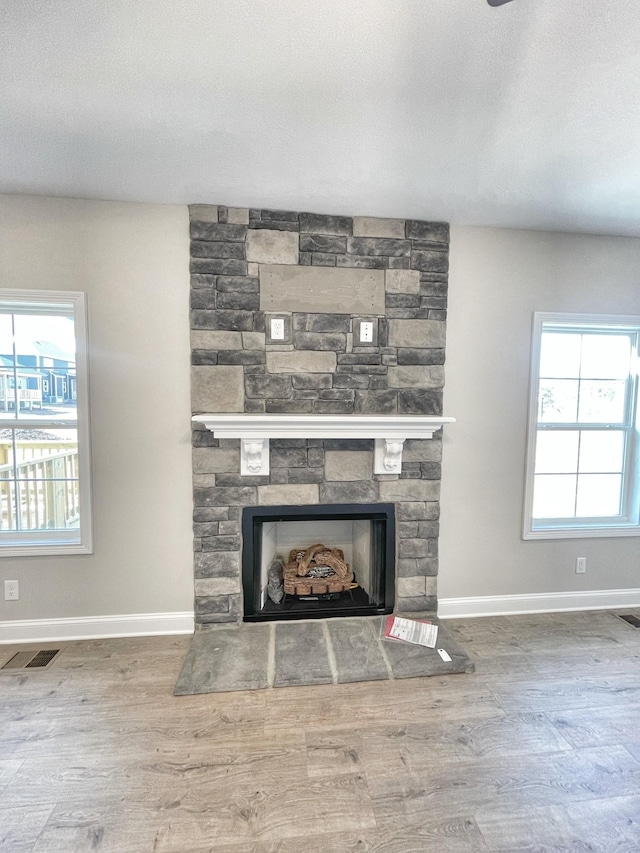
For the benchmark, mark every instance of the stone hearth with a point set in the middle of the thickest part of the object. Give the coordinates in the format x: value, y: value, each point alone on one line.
x: 322, y: 276
x: 293, y: 654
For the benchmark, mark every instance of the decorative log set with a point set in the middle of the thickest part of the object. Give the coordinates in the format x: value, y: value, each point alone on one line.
x: 320, y: 555
x: 317, y: 570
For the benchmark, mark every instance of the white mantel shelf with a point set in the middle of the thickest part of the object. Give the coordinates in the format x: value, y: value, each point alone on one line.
x: 389, y: 432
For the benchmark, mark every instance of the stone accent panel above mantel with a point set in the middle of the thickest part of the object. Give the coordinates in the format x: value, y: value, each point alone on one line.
x: 322, y: 290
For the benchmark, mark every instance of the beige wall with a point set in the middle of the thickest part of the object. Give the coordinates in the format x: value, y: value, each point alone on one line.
x: 133, y: 263
x: 498, y: 279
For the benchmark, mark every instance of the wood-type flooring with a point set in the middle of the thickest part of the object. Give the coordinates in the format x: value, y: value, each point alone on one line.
x: 538, y: 750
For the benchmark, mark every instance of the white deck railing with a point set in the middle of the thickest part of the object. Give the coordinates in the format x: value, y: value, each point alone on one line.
x: 47, y: 492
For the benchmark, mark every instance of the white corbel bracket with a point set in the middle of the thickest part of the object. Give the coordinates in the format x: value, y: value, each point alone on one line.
x: 387, y: 457
x: 254, y: 457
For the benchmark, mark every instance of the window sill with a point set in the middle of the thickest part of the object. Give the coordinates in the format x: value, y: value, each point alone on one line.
x: 49, y: 549
x: 582, y: 533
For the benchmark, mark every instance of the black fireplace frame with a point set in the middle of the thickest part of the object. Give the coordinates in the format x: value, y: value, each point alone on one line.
x: 384, y: 530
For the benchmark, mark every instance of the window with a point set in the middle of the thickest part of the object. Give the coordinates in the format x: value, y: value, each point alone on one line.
x: 582, y: 463
x: 45, y: 490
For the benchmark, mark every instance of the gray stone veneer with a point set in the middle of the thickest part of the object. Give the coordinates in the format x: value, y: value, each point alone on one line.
x: 318, y: 368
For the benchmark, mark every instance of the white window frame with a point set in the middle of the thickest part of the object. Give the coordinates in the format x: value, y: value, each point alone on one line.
x: 628, y: 524
x: 32, y: 543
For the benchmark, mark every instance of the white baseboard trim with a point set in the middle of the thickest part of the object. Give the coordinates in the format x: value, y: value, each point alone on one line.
x: 543, y: 602
x: 95, y: 627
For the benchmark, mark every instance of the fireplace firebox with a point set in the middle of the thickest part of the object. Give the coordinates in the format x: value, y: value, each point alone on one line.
x: 333, y: 560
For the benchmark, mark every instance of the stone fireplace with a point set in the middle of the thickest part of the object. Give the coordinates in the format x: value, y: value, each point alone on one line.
x: 360, y: 311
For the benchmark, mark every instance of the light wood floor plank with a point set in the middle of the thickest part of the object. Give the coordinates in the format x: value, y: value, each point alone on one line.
x: 21, y: 826
x: 460, y: 835
x: 509, y: 782
x: 263, y: 812
x: 611, y: 826
x: 112, y: 825
x: 554, y: 694
x: 599, y: 726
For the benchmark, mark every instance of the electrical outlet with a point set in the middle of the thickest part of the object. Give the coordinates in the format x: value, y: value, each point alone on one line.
x: 277, y: 329
x: 366, y: 332
x: 581, y: 565
x: 11, y: 590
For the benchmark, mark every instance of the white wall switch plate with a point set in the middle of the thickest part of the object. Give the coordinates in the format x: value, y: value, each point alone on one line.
x: 366, y: 332
x: 11, y: 590
x: 277, y: 329
x: 581, y: 565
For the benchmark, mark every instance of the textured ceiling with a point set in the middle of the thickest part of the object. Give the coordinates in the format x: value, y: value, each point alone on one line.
x: 526, y: 115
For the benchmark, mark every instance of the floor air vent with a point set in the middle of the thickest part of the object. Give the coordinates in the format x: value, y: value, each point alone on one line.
x: 632, y: 620
x: 28, y: 660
